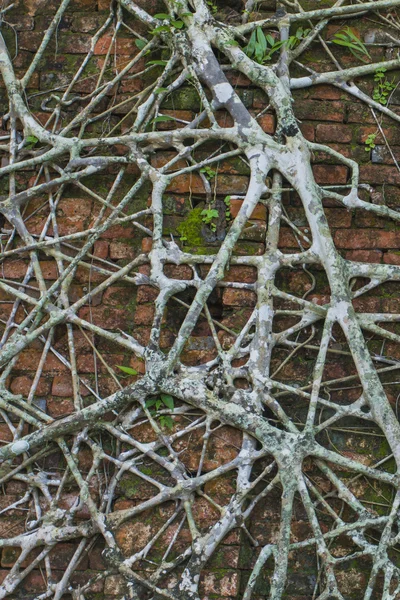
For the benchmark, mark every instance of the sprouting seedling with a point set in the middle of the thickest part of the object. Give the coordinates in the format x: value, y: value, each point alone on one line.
x: 156, y: 404
x: 227, y: 202
x: 209, y: 214
x: 383, y: 86
x: 31, y: 141
x: 169, y: 24
x: 208, y: 172
x: 370, y: 142
x: 347, y: 38
x: 212, y: 6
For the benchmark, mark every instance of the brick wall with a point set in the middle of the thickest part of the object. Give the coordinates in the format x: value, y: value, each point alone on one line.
x: 327, y: 116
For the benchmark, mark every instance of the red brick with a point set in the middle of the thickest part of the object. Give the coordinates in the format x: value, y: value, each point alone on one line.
x: 14, y: 269
x: 28, y: 361
x: 391, y: 258
x: 49, y: 269
x: 22, y: 385
x: 307, y: 129
x: 333, y: 133
x: 366, y: 238
x: 58, y: 407
x: 287, y: 239
x: 146, y: 293
x: 224, y: 584
x: 371, y: 256
x: 379, y: 174
x: 122, y: 46
x: 241, y: 274
x: 330, y: 174
x: 61, y: 555
x: 109, y: 318
x: 119, y: 250
x: 391, y: 134
x: 144, y: 315
x: 325, y: 92
x: 338, y: 217
x: 118, y: 295
x: 147, y: 244
x: 312, y: 110
x: 260, y: 212
x: 178, y: 271
x: 267, y: 123
x: 100, y: 249
x: 237, y: 297
x: 62, y: 387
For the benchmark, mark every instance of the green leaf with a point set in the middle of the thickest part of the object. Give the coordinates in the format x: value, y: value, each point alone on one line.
x: 128, y: 370
x: 161, y: 63
x: 231, y: 43
x: 160, y: 90
x: 178, y: 24
x: 250, y: 48
x: 161, y: 29
x: 140, y: 44
x: 150, y: 403
x: 31, y: 139
x: 161, y: 16
x: 270, y: 40
x: 187, y: 15
x: 163, y: 118
x: 168, y: 401
x: 166, y: 421
x: 262, y: 42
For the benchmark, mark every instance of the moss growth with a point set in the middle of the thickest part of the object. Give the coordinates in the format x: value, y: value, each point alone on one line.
x: 185, y: 98
x: 191, y: 230
x: 129, y: 487
x: 191, y: 227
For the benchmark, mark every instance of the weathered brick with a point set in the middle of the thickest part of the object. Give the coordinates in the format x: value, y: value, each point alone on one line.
x: 333, y: 133
x: 62, y: 387
x: 372, y: 256
x: 22, y: 385
x: 312, y: 110
x: 366, y: 238
x: 330, y: 174
x: 225, y: 583
x: 379, y: 174
x: 238, y: 297
x: 391, y: 258
x: 260, y: 212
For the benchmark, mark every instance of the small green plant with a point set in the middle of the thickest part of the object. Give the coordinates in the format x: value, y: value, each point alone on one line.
x: 209, y: 214
x: 212, y: 6
x: 261, y: 47
x: 169, y: 25
x: 383, y: 86
x: 370, y: 142
x: 294, y: 40
x: 227, y: 202
x: 347, y: 38
x: 156, y: 404
x: 208, y: 172
x: 31, y: 141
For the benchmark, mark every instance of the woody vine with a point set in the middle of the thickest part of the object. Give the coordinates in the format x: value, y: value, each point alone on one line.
x: 286, y: 453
